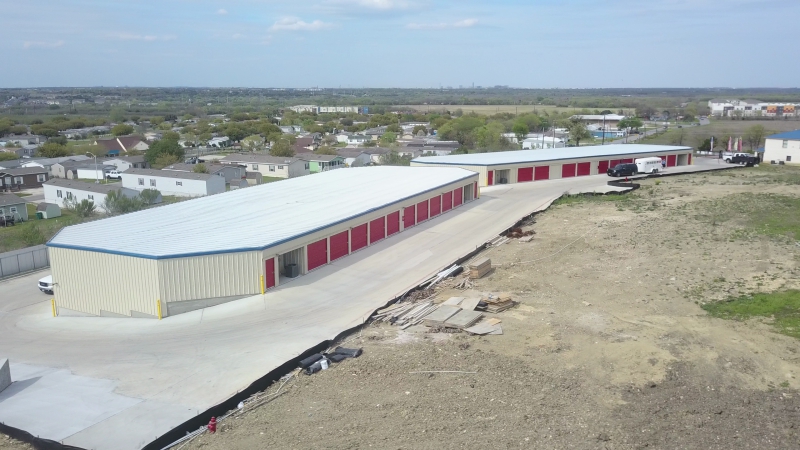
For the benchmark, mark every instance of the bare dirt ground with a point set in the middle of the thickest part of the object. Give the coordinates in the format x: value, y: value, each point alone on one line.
x: 607, y: 349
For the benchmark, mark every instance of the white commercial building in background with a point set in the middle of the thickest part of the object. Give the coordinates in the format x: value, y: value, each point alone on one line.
x: 783, y: 147
x: 180, y: 184
x: 751, y: 108
x: 185, y: 256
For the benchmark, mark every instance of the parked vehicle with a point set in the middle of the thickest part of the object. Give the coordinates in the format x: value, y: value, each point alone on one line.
x: 648, y: 165
x: 115, y: 174
x: 46, y: 284
x: 622, y: 170
x: 740, y: 158
x: 7, y: 221
x: 728, y: 156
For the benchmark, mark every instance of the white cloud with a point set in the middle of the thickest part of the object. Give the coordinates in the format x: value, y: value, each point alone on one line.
x: 295, y: 24
x: 141, y: 37
x: 378, y: 5
x: 42, y: 44
x: 222, y: 11
x: 466, y: 23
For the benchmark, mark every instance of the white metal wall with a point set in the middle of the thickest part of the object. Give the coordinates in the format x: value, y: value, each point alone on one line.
x: 93, y: 281
x: 209, y: 276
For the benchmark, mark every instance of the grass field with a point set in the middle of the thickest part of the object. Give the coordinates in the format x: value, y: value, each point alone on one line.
x: 34, y: 232
x: 782, y: 307
x: 720, y: 129
x: 488, y: 110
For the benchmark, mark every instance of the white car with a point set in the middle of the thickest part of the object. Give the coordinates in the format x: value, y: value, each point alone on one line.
x: 115, y: 174
x: 46, y: 284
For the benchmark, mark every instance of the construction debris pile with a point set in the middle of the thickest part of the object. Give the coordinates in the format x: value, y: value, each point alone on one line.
x: 321, y: 361
x: 497, y: 303
x: 517, y: 233
x: 479, y: 268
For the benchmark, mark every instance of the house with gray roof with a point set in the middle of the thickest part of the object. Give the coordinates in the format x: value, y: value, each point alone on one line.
x: 269, y: 166
x: 14, y: 206
x: 173, y: 182
x: 62, y: 192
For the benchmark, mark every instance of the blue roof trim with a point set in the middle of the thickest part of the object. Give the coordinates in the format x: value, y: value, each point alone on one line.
x: 787, y: 135
x: 682, y: 150
x: 249, y: 249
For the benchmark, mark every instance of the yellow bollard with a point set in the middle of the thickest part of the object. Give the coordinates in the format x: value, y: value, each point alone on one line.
x: 262, y: 284
x: 158, y: 303
x: 53, y: 305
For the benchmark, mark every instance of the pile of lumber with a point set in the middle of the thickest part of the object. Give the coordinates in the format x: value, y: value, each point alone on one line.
x: 489, y: 326
x: 405, y: 314
x: 479, y: 268
x: 498, y: 303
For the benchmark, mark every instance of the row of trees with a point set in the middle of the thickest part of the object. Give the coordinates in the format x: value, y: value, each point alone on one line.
x: 115, y: 203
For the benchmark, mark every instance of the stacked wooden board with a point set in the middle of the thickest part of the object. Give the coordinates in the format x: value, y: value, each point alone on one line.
x: 479, y: 268
x: 498, y: 303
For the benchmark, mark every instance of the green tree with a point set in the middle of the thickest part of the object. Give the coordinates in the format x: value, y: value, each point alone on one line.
x: 44, y: 130
x: 52, y: 150
x: 149, y: 196
x: 388, y: 138
x: 325, y: 150
x: 83, y: 208
x: 164, y: 160
x: 633, y: 123
x: 394, y: 159
x: 420, y: 129
x: 167, y: 145
x: 122, y: 130
x: 754, y: 136
x: 117, y: 114
x: 520, y: 130
x: 116, y: 203
x: 578, y: 132
x: 282, y: 148
x: 18, y: 129
x: 253, y: 143
x: 8, y: 156
x: 200, y: 168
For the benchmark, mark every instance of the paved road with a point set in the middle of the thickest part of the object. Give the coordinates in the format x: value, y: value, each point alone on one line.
x: 120, y: 383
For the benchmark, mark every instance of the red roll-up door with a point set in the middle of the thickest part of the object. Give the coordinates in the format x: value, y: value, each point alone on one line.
x: 490, y: 177
x: 626, y: 161
x: 409, y: 217
x: 317, y: 254
x: 422, y: 211
x: 690, y: 159
x: 377, y: 230
x: 663, y: 158
x: 602, y: 166
x: 584, y: 168
x: 436, y: 205
x: 340, y: 245
x: 568, y: 170
x: 269, y: 267
x: 458, y: 197
x: 524, y: 174
x: 392, y: 223
x: 358, y: 235
x: 613, y: 163
x: 541, y: 173
x: 447, y: 201
x: 671, y: 160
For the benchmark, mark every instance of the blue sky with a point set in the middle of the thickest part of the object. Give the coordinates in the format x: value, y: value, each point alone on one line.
x: 400, y: 43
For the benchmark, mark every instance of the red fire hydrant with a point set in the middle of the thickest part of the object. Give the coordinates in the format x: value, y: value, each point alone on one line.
x: 212, y: 425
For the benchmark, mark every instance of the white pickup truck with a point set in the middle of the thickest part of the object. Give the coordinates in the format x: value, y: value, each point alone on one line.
x: 728, y: 156
x: 46, y: 284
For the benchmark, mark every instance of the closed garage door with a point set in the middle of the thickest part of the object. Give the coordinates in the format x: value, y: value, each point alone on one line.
x: 317, y: 254
x: 584, y: 168
x: 690, y: 160
x: 422, y: 211
x: 359, y: 236
x: 490, y: 178
x: 458, y: 197
x: 626, y: 161
x: 602, y: 166
x: 671, y: 160
x: 269, y: 268
x: 340, y: 245
x: 409, y: 217
x: 613, y: 162
x: 524, y: 174
x: 377, y: 229
x: 567, y: 170
x: 392, y: 223
x: 447, y: 201
x: 541, y: 173
x: 436, y: 205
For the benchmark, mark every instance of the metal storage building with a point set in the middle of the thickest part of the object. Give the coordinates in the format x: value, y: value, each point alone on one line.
x: 549, y: 164
x: 206, y: 251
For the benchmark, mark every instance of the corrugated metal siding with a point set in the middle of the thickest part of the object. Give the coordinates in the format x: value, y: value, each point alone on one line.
x: 91, y: 281
x: 209, y: 276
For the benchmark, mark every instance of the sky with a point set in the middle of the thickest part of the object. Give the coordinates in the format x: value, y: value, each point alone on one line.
x: 400, y: 43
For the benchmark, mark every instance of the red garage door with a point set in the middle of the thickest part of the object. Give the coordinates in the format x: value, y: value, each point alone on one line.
x: 436, y: 205
x: 447, y: 201
x: 317, y: 254
x: 567, y: 170
x: 409, y: 217
x: 392, y: 223
x: 358, y: 235
x: 626, y: 161
x: 340, y: 245
x: 613, y: 163
x: 422, y: 211
x: 671, y: 160
x: 490, y: 177
x: 269, y: 267
x: 458, y: 197
x: 690, y: 159
x: 377, y: 230
x: 524, y: 174
x: 602, y: 166
x: 584, y: 168
x: 541, y: 173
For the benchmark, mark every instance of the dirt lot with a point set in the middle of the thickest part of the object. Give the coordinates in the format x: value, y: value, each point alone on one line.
x: 609, y: 347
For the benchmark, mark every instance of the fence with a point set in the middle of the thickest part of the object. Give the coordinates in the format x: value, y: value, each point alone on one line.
x: 23, y: 260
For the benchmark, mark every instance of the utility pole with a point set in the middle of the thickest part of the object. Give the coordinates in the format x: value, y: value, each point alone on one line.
x: 604, y: 130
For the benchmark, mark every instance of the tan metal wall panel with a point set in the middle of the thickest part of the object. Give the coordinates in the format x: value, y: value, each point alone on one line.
x: 209, y: 276
x: 93, y: 281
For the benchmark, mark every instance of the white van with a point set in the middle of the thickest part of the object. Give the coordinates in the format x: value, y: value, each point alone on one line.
x: 648, y: 165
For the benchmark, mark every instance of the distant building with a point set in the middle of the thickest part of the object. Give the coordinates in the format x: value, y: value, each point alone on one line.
x: 180, y: 184
x: 122, y: 144
x: 322, y: 163
x: 13, y: 206
x: 607, y: 121
x: 61, y: 192
x: 269, y: 166
x: 751, y: 108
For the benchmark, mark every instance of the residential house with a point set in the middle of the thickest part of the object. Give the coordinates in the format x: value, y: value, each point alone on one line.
x: 23, y: 177
x: 358, y: 139
x: 231, y: 173
x: 92, y: 171
x: 269, y: 166
x: 322, y: 163
x: 124, y: 163
x: 354, y: 157
x: 61, y: 192
x: 375, y: 153
x: 291, y: 129
x: 10, y: 164
x: 69, y: 169
x: 220, y: 142
x: 49, y: 163
x: 26, y: 151
x: 22, y: 139
x: 375, y: 133
x: 122, y: 144
x: 305, y: 145
x: 784, y: 147
x: 432, y: 146
x: 342, y: 137
x: 14, y: 206
x: 172, y: 182
x: 48, y: 210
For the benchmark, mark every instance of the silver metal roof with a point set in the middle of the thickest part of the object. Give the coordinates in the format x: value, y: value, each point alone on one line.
x: 257, y: 217
x: 551, y: 154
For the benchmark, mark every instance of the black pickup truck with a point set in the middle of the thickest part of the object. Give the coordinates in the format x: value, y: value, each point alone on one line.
x: 746, y: 160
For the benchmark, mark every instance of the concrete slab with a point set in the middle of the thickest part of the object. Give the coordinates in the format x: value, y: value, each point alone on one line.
x: 134, y: 380
x: 5, y: 375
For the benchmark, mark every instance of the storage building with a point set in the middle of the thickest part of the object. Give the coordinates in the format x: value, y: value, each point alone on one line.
x: 549, y: 164
x: 206, y: 251
x: 783, y: 147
